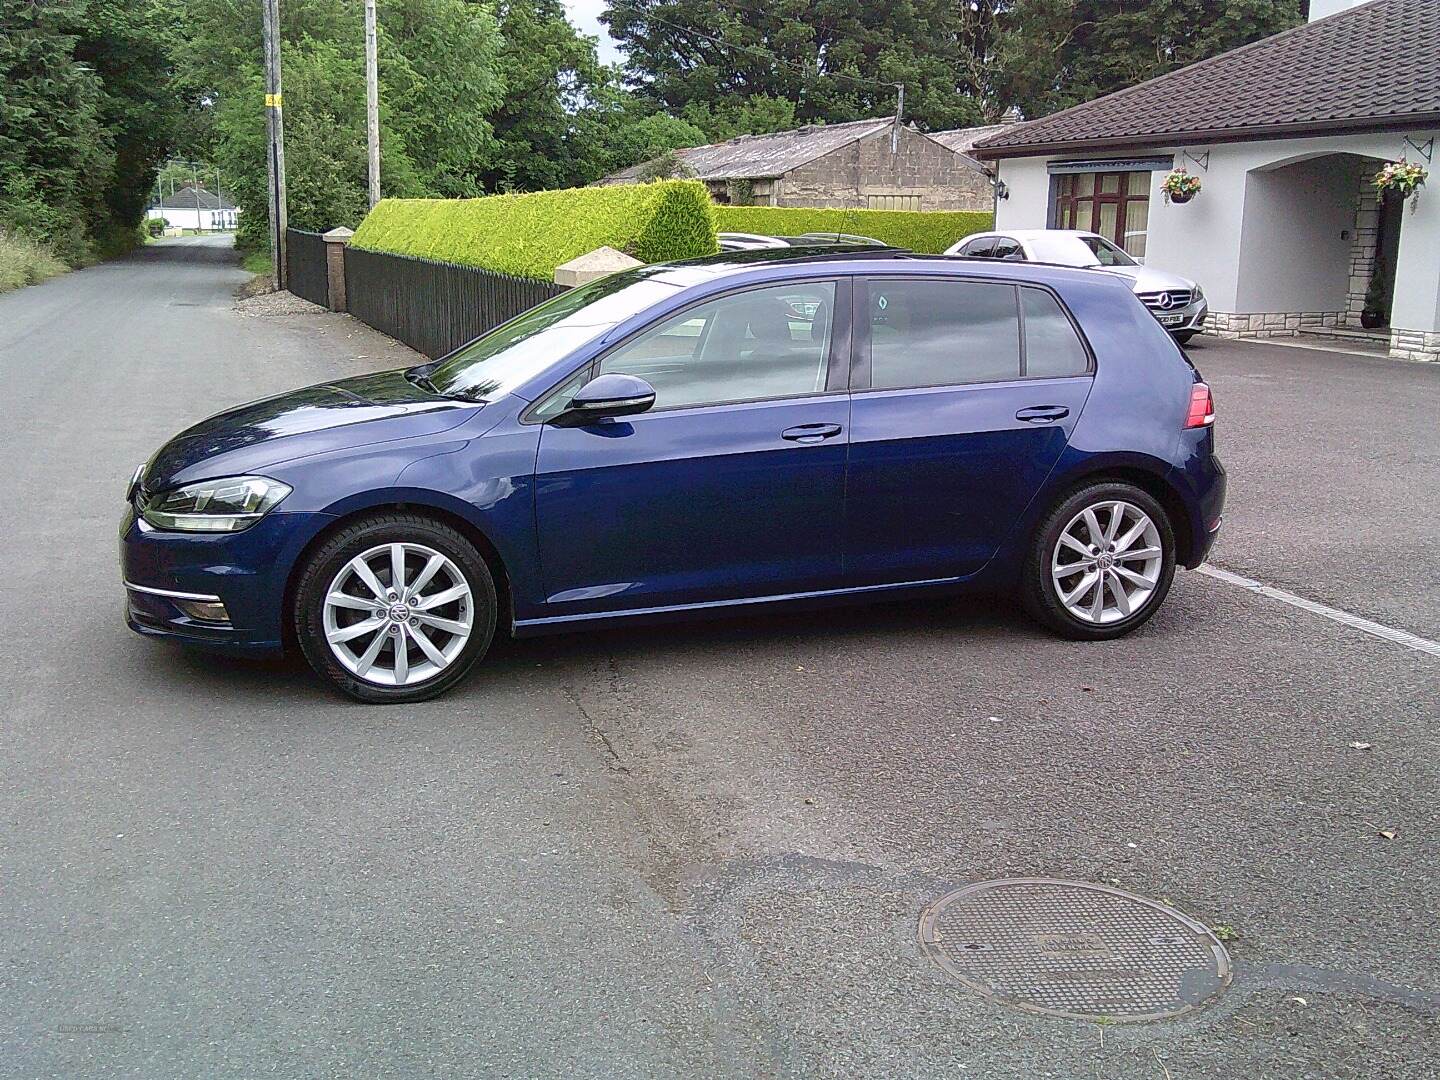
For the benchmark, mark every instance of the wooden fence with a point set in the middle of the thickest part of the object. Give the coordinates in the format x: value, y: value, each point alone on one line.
x: 434, y: 307
x: 305, y: 266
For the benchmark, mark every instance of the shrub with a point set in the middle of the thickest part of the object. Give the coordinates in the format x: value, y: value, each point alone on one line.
x: 154, y: 226
x: 930, y: 231
x: 25, y: 262
x: 530, y: 235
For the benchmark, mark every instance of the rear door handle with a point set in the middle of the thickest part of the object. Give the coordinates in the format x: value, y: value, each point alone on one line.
x: 1042, y: 414
x: 811, y: 433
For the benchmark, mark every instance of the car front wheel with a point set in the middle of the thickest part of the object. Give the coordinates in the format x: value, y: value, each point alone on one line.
x: 1101, y: 563
x: 395, y: 608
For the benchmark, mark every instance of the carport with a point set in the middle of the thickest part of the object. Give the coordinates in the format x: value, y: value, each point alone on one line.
x: 1286, y: 136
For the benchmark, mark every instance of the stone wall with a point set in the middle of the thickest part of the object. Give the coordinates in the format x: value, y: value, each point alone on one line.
x: 1362, y: 250
x: 921, y: 167
x: 1261, y: 324
x: 1415, y: 345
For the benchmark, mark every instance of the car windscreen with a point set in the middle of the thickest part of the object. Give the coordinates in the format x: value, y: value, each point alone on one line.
x: 1067, y: 249
x: 517, y: 351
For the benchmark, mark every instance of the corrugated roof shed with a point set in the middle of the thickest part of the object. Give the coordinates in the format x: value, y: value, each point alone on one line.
x: 1373, y: 66
x: 764, y: 156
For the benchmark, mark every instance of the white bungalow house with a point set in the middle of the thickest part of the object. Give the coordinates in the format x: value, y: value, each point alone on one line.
x: 189, y: 207
x: 1285, y: 135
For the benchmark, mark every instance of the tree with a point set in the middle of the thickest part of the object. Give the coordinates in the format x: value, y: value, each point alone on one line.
x: 55, y: 155
x: 831, y: 60
x: 1059, y: 53
x: 126, y: 44
x: 438, y: 85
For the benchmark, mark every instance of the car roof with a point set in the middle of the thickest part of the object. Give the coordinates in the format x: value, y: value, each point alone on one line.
x: 778, y: 264
x: 1031, y: 234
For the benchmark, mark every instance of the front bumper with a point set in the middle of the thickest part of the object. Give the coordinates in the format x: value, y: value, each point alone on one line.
x: 1188, y: 319
x: 167, y: 574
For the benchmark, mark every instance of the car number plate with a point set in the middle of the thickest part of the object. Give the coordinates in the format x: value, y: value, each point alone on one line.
x: 1171, y: 320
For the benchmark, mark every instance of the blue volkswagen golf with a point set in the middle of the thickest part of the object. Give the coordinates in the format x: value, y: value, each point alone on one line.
x: 707, y: 436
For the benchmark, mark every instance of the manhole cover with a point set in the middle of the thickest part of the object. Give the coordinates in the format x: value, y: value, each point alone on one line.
x: 1067, y: 948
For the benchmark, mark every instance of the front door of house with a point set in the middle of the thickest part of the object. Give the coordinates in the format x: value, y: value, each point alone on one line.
x: 1387, y: 251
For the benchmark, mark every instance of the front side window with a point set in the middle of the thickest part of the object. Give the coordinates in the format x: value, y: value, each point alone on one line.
x: 938, y: 332
x: 1006, y: 248
x: 979, y: 249
x: 516, y: 351
x: 771, y: 342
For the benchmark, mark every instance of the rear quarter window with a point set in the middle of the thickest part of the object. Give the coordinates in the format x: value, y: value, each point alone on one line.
x: 1052, y: 346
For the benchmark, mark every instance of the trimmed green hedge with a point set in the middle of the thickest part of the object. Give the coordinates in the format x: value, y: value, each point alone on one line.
x: 530, y: 235
x: 930, y: 231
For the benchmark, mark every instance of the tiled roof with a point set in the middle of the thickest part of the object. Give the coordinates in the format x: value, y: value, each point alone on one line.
x: 1372, y: 66
x: 764, y: 156
x: 185, y: 198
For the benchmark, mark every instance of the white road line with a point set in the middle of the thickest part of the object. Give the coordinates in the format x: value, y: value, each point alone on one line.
x: 1389, y: 633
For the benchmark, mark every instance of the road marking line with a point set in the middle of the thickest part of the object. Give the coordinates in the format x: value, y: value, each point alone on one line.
x: 1389, y: 633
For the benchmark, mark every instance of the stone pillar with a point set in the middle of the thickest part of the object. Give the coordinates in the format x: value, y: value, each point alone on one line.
x: 336, y: 240
x: 599, y: 263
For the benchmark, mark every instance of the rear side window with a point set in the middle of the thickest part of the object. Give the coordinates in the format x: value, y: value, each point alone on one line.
x: 946, y: 332
x: 938, y: 331
x: 979, y: 249
x: 1052, y: 347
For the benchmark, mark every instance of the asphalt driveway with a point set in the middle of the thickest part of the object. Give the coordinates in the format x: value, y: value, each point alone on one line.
x: 701, y: 851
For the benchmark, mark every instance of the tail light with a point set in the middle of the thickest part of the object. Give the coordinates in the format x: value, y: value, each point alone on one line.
x: 1202, y: 407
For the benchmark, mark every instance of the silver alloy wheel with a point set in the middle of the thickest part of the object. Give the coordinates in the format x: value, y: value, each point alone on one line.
x: 398, y: 614
x: 1107, y: 562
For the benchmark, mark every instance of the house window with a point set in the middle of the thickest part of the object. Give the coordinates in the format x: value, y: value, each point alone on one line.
x: 892, y: 202
x: 1114, y: 204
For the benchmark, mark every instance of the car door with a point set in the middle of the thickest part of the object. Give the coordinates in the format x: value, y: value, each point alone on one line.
x: 732, y: 486
x: 964, y: 394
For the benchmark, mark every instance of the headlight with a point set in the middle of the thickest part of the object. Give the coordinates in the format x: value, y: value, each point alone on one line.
x: 1199, y: 294
x: 227, y: 505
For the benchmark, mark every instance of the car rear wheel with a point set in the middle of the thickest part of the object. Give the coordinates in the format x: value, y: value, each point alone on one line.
x: 1101, y: 563
x: 395, y: 608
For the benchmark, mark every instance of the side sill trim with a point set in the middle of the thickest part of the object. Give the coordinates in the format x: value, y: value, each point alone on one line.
x: 171, y: 593
x: 709, y: 605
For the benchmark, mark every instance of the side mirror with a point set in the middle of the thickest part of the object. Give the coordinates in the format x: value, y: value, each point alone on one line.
x: 606, y: 396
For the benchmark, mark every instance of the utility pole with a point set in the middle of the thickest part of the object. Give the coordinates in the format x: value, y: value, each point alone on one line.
x: 899, y: 111
x: 195, y: 179
x: 275, y: 129
x: 372, y: 103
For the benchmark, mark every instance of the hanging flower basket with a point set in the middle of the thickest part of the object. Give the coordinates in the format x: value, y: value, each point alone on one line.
x: 1180, y: 186
x: 1404, y: 178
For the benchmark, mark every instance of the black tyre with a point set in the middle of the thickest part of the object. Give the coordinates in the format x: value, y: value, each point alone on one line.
x: 395, y: 608
x: 1100, y: 563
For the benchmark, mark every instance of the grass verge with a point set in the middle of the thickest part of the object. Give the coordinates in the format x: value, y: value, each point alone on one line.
x: 25, y: 262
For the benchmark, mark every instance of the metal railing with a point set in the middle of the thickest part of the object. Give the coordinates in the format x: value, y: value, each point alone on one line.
x: 305, y: 266
x: 435, y: 307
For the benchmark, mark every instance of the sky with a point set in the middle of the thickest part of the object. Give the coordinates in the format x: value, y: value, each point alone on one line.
x: 585, y: 14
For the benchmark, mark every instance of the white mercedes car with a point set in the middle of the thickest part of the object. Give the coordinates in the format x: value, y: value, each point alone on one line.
x: 1177, y: 302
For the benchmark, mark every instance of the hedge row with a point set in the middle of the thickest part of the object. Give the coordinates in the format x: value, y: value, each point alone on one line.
x: 930, y: 231
x: 530, y: 235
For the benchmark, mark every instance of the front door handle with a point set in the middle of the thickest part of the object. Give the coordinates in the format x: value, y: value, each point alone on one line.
x: 811, y: 433
x: 1042, y: 414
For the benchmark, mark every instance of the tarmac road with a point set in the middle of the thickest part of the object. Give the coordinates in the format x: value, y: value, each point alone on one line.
x: 703, y: 850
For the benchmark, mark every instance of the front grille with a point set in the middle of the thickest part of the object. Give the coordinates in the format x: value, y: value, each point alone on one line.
x: 1166, y: 299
